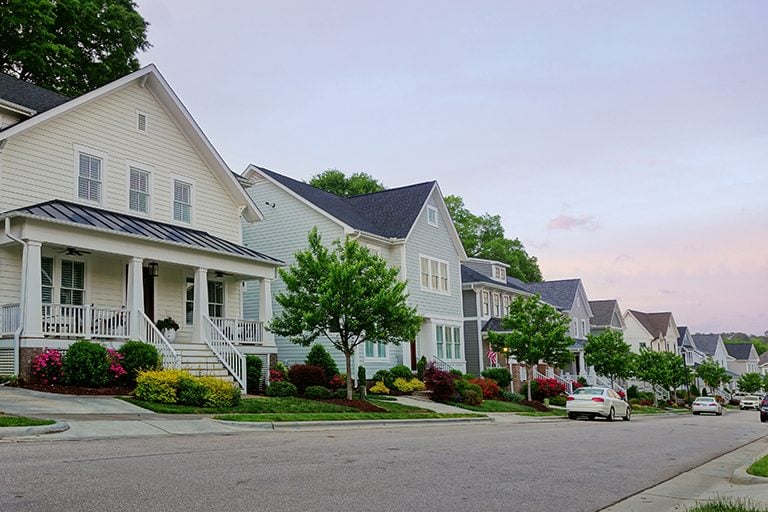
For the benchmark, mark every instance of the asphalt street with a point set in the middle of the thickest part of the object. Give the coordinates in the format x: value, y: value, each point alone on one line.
x: 567, y: 465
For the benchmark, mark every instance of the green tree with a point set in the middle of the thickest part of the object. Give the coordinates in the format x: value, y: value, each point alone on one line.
x: 712, y: 374
x: 655, y: 369
x: 609, y: 354
x: 765, y: 382
x: 346, y: 294
x: 750, y: 382
x: 336, y: 182
x: 533, y: 331
x: 318, y: 356
x: 679, y: 373
x: 483, y: 237
x: 70, y: 46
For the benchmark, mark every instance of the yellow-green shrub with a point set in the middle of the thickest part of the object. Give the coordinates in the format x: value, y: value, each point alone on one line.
x: 160, y: 386
x: 178, y: 386
x: 409, y: 386
x: 379, y: 388
x: 220, y: 393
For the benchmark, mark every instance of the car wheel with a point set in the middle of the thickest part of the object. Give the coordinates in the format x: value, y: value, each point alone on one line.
x: 696, y: 413
x: 763, y: 419
x: 719, y: 413
x: 571, y: 415
x: 628, y: 414
x: 611, y: 415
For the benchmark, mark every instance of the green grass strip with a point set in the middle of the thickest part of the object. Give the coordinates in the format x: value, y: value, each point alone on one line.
x: 495, y: 406
x: 728, y: 505
x: 339, y: 416
x: 20, y: 421
x: 759, y: 467
x: 256, y: 405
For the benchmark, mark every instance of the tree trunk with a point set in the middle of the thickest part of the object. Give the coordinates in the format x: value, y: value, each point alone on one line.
x: 529, y: 371
x: 348, y: 362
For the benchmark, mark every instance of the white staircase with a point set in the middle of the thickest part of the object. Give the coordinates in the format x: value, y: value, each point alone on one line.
x: 200, y: 361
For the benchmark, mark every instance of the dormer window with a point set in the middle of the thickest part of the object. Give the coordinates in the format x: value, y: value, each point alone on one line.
x: 500, y: 273
x: 432, y: 216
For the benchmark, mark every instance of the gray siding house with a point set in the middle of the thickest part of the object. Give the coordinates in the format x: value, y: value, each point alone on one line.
x: 606, y: 315
x: 409, y: 227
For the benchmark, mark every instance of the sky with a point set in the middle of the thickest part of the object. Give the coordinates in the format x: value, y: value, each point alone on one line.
x: 624, y: 143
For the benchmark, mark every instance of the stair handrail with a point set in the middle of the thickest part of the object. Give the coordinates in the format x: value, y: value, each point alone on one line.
x: 150, y: 334
x: 225, y: 351
x: 441, y: 365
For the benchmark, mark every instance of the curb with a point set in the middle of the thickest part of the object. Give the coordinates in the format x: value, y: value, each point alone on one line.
x: 321, y: 425
x: 741, y: 477
x: 57, y: 427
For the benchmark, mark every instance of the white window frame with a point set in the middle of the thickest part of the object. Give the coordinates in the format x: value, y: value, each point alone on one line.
x: 500, y: 273
x: 432, y: 216
x: 378, y: 351
x: 497, y: 305
x: 138, y: 166
x: 189, y: 284
x: 583, y: 328
x: 486, y: 302
x: 94, y: 153
x: 56, y: 285
x: 436, y: 283
x: 139, y: 113
x: 187, y: 181
x: 448, y: 339
x: 505, y: 304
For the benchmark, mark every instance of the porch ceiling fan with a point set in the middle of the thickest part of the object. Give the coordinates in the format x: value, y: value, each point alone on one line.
x: 73, y: 251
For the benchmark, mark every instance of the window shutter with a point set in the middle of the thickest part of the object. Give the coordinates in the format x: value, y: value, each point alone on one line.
x: 141, y: 122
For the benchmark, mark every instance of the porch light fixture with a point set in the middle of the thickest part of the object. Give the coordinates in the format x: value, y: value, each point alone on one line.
x: 153, y: 269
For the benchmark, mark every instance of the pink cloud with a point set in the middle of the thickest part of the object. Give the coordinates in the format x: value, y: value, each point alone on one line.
x: 569, y: 222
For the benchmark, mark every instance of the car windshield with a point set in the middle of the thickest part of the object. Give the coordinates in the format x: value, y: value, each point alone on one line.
x: 588, y: 391
x: 751, y: 398
x: 705, y: 399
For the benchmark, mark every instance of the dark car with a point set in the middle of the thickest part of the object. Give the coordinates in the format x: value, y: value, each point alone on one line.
x: 764, y: 409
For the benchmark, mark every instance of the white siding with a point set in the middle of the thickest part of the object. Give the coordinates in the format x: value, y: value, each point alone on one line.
x: 10, y: 273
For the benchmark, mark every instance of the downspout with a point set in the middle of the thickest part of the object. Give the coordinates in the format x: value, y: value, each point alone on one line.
x: 20, y: 328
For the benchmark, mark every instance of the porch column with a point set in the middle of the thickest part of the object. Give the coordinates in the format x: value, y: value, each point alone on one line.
x: 201, y: 304
x: 581, y: 362
x: 265, y: 310
x: 33, y: 288
x: 135, y: 296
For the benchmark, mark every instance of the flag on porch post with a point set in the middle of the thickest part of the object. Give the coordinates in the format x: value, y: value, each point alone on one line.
x: 493, y: 358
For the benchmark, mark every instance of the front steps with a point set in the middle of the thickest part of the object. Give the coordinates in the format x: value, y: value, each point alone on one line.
x: 197, y: 359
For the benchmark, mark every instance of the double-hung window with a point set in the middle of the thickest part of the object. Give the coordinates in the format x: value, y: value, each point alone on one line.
x: 89, y: 177
x: 448, y: 341
x: 182, y: 201
x: 46, y: 276
x: 215, y: 300
x: 505, y: 302
x: 375, y: 350
x: 432, y: 216
x: 138, y: 190
x: 486, y: 303
x: 72, y: 282
x: 496, y: 305
x: 434, y: 275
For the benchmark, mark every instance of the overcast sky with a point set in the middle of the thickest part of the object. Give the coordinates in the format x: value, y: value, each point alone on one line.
x: 625, y: 143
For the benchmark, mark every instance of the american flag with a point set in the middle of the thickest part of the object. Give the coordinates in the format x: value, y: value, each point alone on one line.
x: 492, y: 357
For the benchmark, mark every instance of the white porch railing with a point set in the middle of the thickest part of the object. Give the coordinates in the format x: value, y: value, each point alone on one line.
x: 227, y: 353
x: 85, y: 321
x: 150, y: 334
x: 9, y: 319
x: 238, y: 330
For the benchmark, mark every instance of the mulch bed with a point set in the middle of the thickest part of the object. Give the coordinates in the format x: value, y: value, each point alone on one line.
x: 77, y: 390
x: 536, y: 405
x: 360, y: 405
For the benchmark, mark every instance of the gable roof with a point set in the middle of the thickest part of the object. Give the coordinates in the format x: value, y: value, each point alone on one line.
x: 151, y: 78
x: 602, y: 312
x: 740, y: 351
x: 24, y: 94
x: 707, y: 343
x: 469, y: 275
x: 656, y: 324
x: 561, y: 294
x: 104, y: 220
x: 682, y: 339
x: 763, y: 358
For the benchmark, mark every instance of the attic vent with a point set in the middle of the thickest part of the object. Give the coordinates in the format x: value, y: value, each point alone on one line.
x: 141, y: 122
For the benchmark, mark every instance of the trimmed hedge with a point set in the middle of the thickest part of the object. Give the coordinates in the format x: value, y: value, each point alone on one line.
x: 179, y: 387
x: 86, y: 364
x: 502, y: 376
x: 318, y: 393
x: 282, y: 388
x: 138, y: 356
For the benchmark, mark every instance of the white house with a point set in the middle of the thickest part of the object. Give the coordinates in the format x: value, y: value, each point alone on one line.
x: 652, y: 331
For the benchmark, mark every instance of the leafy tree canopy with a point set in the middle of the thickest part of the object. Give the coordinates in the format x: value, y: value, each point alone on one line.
x: 336, y: 182
x: 346, y: 294
x: 483, y: 237
x: 750, y: 382
x: 533, y: 332
x: 712, y: 374
x: 70, y: 46
x: 609, y: 354
x: 654, y: 368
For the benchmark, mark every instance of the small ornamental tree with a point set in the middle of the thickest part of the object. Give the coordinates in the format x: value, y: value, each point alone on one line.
x: 750, y: 382
x: 609, y: 354
x: 533, y: 331
x: 712, y: 374
x: 346, y: 294
x: 679, y: 373
x: 318, y: 356
x: 654, y: 368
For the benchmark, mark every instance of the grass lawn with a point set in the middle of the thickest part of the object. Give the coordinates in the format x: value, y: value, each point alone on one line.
x: 759, y: 467
x: 501, y: 406
x: 340, y: 416
x: 726, y: 505
x: 20, y: 421
x: 259, y: 405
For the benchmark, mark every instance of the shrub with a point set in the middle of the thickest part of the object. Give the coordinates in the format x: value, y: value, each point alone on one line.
x: 558, y: 400
x: 86, y: 364
x: 386, y: 377
x: 159, y: 386
x: 546, y: 388
x: 278, y: 373
x: 116, y: 371
x: 421, y: 367
x: 488, y: 387
x: 442, y: 384
x: 318, y: 393
x: 469, y: 376
x: 379, y: 388
x: 401, y: 372
x: 191, y: 391
x: 282, y: 388
x: 457, y: 373
x: 472, y: 396
x: 694, y: 390
x: 511, y: 397
x: 575, y: 384
x: 409, y: 385
x: 583, y: 382
x: 304, y: 375
x: 47, y: 367
x: 138, y: 356
x: 253, y: 366
x: 338, y: 381
x: 219, y: 392
x: 361, y: 377
x: 502, y: 376
x: 632, y: 392
x: 318, y: 356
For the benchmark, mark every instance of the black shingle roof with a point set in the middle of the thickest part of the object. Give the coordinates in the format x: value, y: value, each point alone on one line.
x: 560, y: 294
x: 602, y: 312
x: 136, y: 226
x: 390, y: 213
x: 493, y: 324
x: 740, y: 351
x: 469, y: 275
x: 681, y: 339
x: 707, y: 343
x: 28, y: 95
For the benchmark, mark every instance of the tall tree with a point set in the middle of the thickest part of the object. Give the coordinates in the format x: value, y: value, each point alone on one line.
x: 533, y: 331
x: 346, y: 294
x: 712, y: 374
x: 679, y: 373
x: 609, y: 354
x: 750, y: 382
x: 654, y: 368
x: 483, y: 237
x: 336, y: 182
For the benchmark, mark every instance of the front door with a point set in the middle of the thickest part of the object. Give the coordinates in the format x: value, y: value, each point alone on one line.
x: 413, y: 355
x: 149, y: 293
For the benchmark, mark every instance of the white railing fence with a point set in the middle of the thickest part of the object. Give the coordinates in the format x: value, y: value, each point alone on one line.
x: 85, y: 321
x: 150, y: 334
x: 9, y: 319
x: 225, y: 351
x: 238, y: 330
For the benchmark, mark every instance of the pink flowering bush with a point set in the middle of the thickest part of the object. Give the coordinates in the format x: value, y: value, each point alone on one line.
x: 116, y: 370
x: 47, y: 367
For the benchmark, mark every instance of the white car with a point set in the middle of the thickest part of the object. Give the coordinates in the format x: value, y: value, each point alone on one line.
x: 750, y: 402
x: 592, y: 402
x: 706, y: 404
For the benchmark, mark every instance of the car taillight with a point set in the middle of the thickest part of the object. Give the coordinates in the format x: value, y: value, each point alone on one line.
x: 570, y: 398
x: 713, y: 405
x: 598, y: 399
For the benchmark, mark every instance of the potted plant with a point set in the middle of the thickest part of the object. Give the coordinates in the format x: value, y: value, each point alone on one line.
x: 168, y: 326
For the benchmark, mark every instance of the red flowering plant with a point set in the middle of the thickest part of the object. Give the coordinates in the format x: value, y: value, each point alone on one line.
x: 276, y: 375
x: 47, y: 366
x: 549, y: 387
x: 489, y: 386
x: 116, y: 370
x: 576, y: 385
x: 337, y: 382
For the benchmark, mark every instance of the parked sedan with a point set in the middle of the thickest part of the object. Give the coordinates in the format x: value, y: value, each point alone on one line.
x: 593, y: 402
x: 750, y: 402
x: 764, y: 409
x: 706, y: 404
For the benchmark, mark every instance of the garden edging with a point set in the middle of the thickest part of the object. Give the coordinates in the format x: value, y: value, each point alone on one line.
x: 321, y: 425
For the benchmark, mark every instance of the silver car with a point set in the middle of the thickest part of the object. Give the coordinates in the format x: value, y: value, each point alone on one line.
x: 593, y: 402
x: 750, y: 402
x: 706, y: 404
